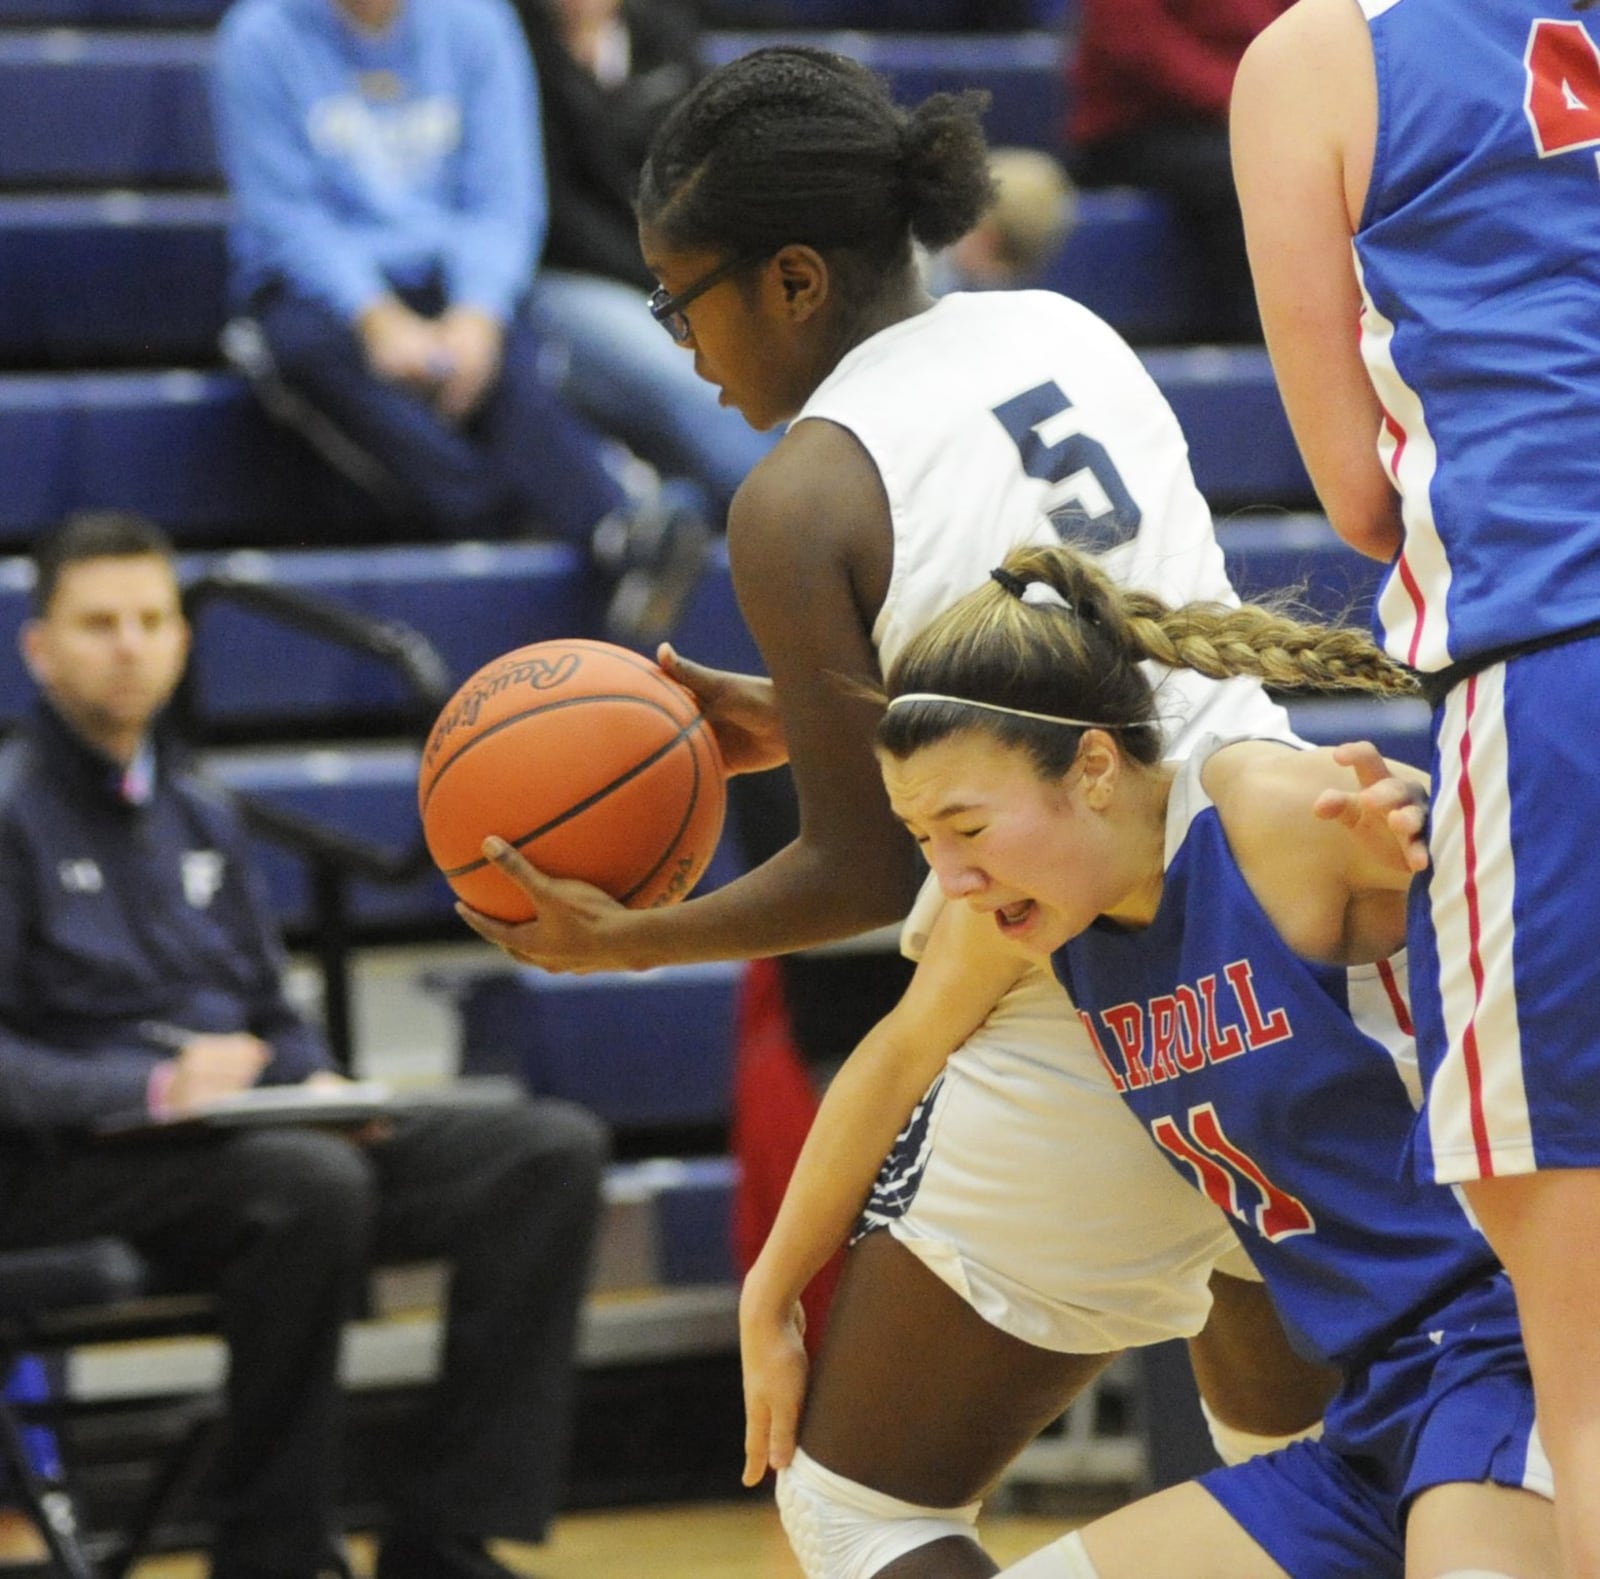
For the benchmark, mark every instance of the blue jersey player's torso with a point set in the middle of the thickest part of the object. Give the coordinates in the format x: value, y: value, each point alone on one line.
x: 1248, y: 1066
x: 1480, y: 258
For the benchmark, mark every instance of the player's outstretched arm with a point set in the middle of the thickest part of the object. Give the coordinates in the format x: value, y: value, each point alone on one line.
x: 963, y: 973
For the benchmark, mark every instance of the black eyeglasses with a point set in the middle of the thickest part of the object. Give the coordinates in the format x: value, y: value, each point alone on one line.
x: 668, y: 310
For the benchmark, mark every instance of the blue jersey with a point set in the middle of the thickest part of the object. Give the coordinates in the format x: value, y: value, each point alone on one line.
x: 1479, y: 255
x: 1286, y: 1090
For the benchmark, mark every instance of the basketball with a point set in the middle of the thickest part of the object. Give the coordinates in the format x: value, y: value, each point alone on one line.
x: 586, y: 758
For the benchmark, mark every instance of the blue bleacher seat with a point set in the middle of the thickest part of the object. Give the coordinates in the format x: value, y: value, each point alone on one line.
x: 369, y: 792
x: 366, y: 791
x: 111, y: 14
x: 1125, y: 259
x: 1398, y: 726
x: 90, y: 108
x: 1272, y: 553
x: 645, y: 1048
x: 194, y: 451
x: 123, y: 276
x: 473, y: 601
x: 1023, y: 71
x: 694, y: 1216
x: 687, y: 1206
x: 85, y: 108
x: 1227, y: 403
x: 109, y: 277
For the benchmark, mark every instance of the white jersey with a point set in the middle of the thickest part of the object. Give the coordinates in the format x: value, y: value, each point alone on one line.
x: 998, y: 420
x: 1013, y: 417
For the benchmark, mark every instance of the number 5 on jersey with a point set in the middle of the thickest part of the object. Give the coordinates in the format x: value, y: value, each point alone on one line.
x: 1090, y: 504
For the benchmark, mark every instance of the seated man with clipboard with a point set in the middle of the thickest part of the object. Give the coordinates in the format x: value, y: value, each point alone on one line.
x: 140, y: 972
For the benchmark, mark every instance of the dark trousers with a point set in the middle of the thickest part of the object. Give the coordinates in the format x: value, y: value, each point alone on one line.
x: 1189, y: 162
x: 523, y: 462
x: 284, y: 1223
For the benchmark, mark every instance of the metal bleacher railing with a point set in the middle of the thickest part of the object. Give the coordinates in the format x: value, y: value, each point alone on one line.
x: 333, y: 854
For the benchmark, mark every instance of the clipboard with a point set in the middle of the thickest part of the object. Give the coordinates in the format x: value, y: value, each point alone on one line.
x: 337, y: 1106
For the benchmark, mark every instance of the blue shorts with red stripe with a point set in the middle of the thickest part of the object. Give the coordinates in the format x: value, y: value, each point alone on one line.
x: 1504, y: 934
x: 1449, y: 1402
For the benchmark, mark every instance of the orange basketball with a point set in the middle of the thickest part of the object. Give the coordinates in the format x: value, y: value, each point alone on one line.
x: 585, y: 757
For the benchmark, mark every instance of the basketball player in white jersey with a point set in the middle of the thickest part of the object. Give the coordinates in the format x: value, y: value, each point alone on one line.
x: 1039, y: 1232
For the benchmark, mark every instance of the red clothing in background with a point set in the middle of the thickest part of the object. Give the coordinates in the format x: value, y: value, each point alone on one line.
x: 1142, y: 62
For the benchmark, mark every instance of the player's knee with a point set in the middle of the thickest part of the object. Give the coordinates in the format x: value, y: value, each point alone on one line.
x: 840, y: 1529
x: 1067, y: 1558
x: 1235, y: 1446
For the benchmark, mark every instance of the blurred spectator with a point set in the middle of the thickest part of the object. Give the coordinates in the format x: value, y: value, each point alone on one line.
x: 388, y: 207
x: 140, y: 972
x: 608, y: 71
x: 1023, y: 229
x: 1150, y: 90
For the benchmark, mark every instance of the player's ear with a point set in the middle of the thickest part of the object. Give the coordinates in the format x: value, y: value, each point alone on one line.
x: 803, y: 279
x: 1099, y: 766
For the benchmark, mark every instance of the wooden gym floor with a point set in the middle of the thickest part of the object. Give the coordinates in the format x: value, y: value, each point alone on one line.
x: 701, y: 1541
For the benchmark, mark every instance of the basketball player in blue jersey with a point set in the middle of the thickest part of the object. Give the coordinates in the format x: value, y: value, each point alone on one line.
x: 1238, y: 964
x: 925, y: 440
x: 1450, y: 150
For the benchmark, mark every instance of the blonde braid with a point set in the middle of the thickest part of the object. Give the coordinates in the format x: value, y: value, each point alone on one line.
x: 1275, y: 647
x: 1215, y: 639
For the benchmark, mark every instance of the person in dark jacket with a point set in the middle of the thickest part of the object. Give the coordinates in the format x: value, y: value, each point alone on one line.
x: 141, y: 970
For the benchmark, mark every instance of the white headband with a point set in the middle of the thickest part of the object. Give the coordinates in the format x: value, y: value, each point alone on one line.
x: 995, y: 707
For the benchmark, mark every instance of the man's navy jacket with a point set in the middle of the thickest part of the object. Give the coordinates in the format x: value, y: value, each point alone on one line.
x: 124, y: 927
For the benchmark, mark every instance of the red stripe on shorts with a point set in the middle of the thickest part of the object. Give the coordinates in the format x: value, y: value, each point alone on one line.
x: 1469, y: 1039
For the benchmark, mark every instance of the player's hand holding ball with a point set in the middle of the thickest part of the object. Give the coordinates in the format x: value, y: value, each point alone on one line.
x: 597, y: 785
x: 742, y: 710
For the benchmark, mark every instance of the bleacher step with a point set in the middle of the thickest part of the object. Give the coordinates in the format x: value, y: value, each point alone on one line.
x: 403, y: 1351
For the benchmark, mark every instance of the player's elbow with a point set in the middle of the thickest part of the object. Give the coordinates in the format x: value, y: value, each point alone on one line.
x: 1369, y: 524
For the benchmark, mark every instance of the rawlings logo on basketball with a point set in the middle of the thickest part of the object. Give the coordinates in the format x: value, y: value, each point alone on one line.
x: 588, y: 759
x: 537, y: 672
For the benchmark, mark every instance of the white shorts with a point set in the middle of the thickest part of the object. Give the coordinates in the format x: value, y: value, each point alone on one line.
x: 1024, y: 1184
